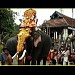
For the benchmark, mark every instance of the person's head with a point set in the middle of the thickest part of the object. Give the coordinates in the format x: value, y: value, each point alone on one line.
x: 6, y: 51
x: 55, y: 51
x: 52, y: 48
x: 62, y: 48
x: 68, y: 48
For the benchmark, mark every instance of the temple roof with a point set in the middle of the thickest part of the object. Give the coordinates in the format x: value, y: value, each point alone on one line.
x: 59, y: 20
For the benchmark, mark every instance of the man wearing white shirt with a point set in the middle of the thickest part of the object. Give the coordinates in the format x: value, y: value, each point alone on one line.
x: 65, y: 58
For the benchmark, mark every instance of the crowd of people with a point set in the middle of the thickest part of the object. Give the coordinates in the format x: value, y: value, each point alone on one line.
x: 55, y: 57
x: 59, y: 57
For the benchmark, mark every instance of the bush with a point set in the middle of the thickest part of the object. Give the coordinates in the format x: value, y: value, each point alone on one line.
x: 1, y: 47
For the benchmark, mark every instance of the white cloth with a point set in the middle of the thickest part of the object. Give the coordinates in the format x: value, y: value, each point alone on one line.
x: 66, y: 59
x: 66, y: 54
x: 63, y: 52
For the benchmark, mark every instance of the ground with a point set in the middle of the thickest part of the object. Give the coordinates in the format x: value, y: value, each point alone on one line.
x: 15, y: 63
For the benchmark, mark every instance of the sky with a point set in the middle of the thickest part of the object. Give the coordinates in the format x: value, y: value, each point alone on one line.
x: 43, y: 13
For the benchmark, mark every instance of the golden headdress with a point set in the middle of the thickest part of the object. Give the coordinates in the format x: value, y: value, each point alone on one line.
x: 30, y: 16
x: 29, y: 13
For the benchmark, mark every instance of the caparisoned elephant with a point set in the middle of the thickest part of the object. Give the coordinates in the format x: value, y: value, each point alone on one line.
x: 37, y: 46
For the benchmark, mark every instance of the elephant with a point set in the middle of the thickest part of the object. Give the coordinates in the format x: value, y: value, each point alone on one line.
x: 37, y: 46
x: 41, y: 48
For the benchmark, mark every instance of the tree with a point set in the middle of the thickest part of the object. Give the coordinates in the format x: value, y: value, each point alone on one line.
x: 6, y: 23
x: 15, y: 30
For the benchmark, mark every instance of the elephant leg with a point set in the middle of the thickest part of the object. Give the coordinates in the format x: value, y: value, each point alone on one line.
x: 44, y: 60
x: 33, y: 62
x: 45, y: 51
x: 35, y: 58
x: 36, y: 54
x: 27, y: 62
x: 39, y: 60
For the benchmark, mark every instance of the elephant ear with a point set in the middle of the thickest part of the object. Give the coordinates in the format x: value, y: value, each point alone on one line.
x: 37, y: 41
x: 36, y: 35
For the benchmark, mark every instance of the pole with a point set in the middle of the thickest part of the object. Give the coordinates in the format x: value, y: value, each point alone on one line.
x: 72, y: 33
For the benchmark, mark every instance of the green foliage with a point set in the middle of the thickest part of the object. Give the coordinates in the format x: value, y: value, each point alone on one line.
x: 6, y: 20
x: 7, y: 26
x: 15, y: 30
x: 1, y: 47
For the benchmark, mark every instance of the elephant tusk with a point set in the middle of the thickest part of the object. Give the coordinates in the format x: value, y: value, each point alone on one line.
x: 22, y: 55
x: 15, y: 55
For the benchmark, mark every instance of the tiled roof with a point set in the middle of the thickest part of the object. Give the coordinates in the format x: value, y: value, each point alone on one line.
x: 58, y: 22
x: 70, y: 21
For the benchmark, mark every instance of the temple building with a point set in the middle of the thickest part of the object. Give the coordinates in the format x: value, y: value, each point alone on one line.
x: 59, y: 27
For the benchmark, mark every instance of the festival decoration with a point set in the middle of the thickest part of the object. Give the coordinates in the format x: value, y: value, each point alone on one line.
x: 23, y: 34
x: 30, y: 20
x: 25, y: 28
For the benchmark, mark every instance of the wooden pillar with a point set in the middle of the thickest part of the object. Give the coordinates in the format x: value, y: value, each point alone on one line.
x: 71, y: 47
x: 59, y: 40
x: 59, y: 36
x: 47, y: 30
x: 54, y: 39
x: 66, y: 30
x: 56, y: 35
x: 65, y: 34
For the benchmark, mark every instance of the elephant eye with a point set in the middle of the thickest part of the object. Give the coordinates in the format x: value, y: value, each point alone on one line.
x: 26, y: 30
